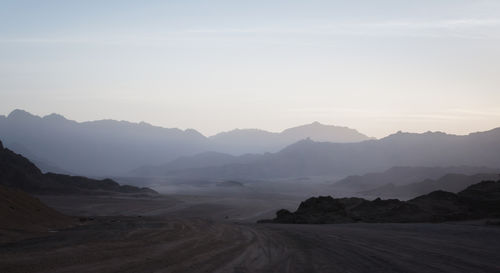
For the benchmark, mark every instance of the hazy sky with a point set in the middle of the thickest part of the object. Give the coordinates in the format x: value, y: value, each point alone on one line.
x: 377, y: 66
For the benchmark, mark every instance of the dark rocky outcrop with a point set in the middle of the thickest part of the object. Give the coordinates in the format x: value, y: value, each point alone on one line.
x: 482, y: 199
x: 320, y: 210
x: 478, y: 201
x: 20, y: 211
x: 18, y: 172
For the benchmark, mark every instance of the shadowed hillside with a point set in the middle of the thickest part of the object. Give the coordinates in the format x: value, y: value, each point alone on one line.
x: 19, y: 210
x: 478, y: 201
x: 18, y: 172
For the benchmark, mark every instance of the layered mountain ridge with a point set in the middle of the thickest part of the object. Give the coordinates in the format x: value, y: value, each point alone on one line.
x: 18, y: 172
x: 110, y: 147
x: 311, y: 158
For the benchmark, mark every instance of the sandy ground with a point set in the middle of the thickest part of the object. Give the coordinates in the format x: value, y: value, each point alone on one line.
x: 241, y: 208
x: 192, y: 234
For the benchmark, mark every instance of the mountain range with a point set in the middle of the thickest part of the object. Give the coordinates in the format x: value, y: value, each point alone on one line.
x: 94, y: 148
x: 311, y: 158
x: 451, y: 182
x: 110, y: 147
x: 120, y: 148
x: 18, y: 172
x: 241, y: 141
x: 404, y: 176
x: 202, y: 160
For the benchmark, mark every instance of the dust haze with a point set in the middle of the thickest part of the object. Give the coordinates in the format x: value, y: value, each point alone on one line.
x: 258, y: 136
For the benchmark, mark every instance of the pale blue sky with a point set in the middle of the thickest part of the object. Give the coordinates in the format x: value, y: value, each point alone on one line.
x: 377, y: 66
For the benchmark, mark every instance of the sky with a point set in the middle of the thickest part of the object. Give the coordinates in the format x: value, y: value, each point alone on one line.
x: 376, y: 66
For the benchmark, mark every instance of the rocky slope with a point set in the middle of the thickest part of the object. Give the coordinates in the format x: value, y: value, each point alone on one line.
x: 475, y: 202
x: 19, y: 210
x: 23, y: 216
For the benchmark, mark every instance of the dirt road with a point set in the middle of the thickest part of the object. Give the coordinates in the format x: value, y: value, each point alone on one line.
x: 145, y: 244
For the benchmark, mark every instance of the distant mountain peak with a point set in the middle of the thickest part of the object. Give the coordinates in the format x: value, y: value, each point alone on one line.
x: 325, y: 133
x: 406, y: 135
x: 194, y: 132
x: 301, y: 144
x: 241, y: 133
x: 143, y: 123
x: 20, y: 114
x: 55, y: 117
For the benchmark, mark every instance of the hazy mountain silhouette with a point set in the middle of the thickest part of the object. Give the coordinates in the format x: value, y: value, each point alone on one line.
x: 241, y: 141
x: 18, y: 172
x: 309, y: 158
x: 449, y: 182
x: 206, y: 159
x: 398, y: 176
x: 250, y: 142
x: 116, y: 147
x: 109, y: 147
x: 99, y: 147
x: 45, y: 165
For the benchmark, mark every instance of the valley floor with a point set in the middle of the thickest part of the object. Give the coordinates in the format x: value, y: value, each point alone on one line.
x: 174, y: 241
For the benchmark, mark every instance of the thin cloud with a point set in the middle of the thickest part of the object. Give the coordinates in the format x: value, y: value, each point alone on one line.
x: 445, y: 114
x: 392, y: 24
x: 438, y: 24
x: 457, y: 28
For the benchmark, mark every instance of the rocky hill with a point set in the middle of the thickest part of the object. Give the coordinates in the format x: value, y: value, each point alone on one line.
x: 475, y: 202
